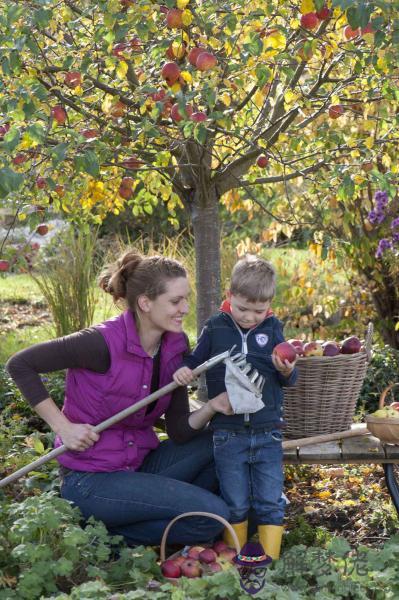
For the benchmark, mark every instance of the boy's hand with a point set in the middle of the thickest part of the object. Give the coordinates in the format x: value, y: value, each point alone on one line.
x: 221, y: 404
x: 284, y: 367
x: 183, y: 376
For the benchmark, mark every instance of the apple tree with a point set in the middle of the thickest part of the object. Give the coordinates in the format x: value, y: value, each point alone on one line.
x: 112, y: 103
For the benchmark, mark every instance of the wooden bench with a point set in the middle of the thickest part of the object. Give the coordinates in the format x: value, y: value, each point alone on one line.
x: 362, y: 449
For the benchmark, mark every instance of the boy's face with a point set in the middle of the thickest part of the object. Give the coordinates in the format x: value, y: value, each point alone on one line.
x: 245, y: 313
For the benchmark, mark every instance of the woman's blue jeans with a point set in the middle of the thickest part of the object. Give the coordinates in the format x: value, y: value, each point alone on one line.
x: 173, y: 479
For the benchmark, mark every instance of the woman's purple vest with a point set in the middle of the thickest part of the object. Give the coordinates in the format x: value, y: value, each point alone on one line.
x: 93, y: 397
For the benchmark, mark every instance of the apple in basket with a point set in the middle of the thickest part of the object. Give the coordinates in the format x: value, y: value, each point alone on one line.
x: 351, y: 345
x: 395, y: 405
x: 219, y: 546
x: 313, y: 349
x: 194, y: 552
x: 170, y: 568
x: 191, y: 568
x: 386, y: 413
x: 298, y: 345
x: 330, y: 349
x: 285, y: 351
x: 208, y: 556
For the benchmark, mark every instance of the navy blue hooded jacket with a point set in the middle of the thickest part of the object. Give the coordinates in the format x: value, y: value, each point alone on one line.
x: 221, y: 333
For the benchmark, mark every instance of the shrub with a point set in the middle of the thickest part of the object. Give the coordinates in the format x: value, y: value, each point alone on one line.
x: 382, y: 370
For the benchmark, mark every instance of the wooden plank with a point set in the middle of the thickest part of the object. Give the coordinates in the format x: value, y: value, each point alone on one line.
x: 291, y: 456
x: 365, y: 447
x: 391, y: 451
x: 327, y: 451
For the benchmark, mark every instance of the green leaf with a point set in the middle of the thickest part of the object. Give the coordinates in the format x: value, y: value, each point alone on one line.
x: 42, y: 17
x: 11, y: 139
x: 58, y: 153
x: 10, y: 181
x: 38, y: 446
x: 262, y: 74
x: 200, y: 133
x: 87, y: 162
x: 353, y: 17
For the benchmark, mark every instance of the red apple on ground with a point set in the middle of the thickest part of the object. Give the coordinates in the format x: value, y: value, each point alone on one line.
x: 194, y: 54
x: 169, y: 568
x: 191, y: 568
x: 330, y: 349
x: 177, y: 114
x: 335, y: 111
x: 298, y: 345
x: 351, y: 345
x: 207, y: 556
x: 206, y: 61
x: 58, y: 112
x: 219, y: 546
x: 285, y: 351
x: 73, y: 79
x: 42, y: 229
x: 4, y: 265
x: 309, y: 20
x: 170, y: 72
x: 199, y: 117
x: 194, y: 552
x: 262, y: 160
x: 174, y: 18
x: 312, y: 349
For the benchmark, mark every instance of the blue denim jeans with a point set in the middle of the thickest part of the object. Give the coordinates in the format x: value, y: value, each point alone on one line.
x: 173, y: 479
x: 249, y: 465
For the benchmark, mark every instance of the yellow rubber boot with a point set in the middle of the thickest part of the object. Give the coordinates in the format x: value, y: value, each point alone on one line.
x: 270, y: 537
x: 241, y: 530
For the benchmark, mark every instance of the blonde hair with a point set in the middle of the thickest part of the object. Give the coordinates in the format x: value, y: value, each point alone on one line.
x: 133, y: 275
x: 253, y: 278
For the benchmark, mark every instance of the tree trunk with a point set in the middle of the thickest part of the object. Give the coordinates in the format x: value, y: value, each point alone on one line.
x: 206, y: 226
x: 386, y: 302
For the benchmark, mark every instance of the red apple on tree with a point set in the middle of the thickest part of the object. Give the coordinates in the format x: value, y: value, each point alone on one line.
x: 323, y: 13
x: 4, y: 265
x: 90, y: 134
x: 262, y: 160
x: 42, y: 229
x: 73, y: 79
x: 132, y: 162
x: 335, y: 111
x: 118, y: 109
x: 174, y: 18
x: 350, y: 33
x: 58, y: 112
x: 41, y: 182
x: 60, y: 190
x: 285, y: 351
x: 206, y: 61
x: 170, y: 72
x: 20, y: 158
x: 178, y: 114
x: 3, y: 130
x: 309, y: 20
x: 194, y: 54
x: 199, y: 116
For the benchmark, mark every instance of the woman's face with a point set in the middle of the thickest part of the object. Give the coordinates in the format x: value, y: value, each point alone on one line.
x: 166, y: 312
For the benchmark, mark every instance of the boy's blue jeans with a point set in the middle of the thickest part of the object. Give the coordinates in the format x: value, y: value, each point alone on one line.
x: 173, y: 479
x: 249, y: 465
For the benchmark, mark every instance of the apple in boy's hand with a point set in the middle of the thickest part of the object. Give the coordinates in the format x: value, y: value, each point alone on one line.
x: 298, y: 345
x: 285, y: 351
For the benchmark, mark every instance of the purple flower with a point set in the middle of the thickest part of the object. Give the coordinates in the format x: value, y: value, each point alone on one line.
x: 395, y: 223
x: 381, y: 198
x: 376, y: 216
x: 395, y: 237
x: 383, y: 245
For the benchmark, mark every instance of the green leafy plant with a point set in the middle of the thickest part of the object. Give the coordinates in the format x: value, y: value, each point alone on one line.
x: 382, y: 370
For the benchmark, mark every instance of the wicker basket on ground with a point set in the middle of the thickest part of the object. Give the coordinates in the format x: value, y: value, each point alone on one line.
x: 324, y: 398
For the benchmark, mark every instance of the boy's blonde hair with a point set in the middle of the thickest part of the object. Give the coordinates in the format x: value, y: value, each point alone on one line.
x: 253, y: 278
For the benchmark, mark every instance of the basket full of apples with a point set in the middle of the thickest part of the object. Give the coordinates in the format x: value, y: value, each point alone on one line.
x: 384, y: 422
x: 330, y: 377
x: 197, y: 561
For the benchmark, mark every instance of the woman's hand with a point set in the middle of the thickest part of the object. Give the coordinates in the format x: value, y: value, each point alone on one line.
x: 221, y: 404
x: 78, y: 436
x: 284, y: 367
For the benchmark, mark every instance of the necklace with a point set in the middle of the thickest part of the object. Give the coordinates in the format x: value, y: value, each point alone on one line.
x: 155, y: 351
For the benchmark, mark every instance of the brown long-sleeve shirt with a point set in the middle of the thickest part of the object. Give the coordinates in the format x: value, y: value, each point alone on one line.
x: 87, y: 349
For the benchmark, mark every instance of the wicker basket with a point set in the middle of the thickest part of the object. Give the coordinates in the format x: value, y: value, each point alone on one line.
x: 387, y: 430
x: 324, y: 398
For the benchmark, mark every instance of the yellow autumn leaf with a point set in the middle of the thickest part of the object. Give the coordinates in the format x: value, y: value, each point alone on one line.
x: 178, y: 48
x: 182, y: 4
x: 307, y: 6
x: 186, y: 76
x: 290, y: 97
x: 358, y: 179
x: 175, y: 88
x: 187, y: 17
x: 259, y: 99
x: 382, y: 64
x: 325, y: 494
x: 21, y: 216
x: 107, y: 103
x: 310, y: 509
x: 228, y: 47
x: 225, y: 98
x: 349, y: 503
x: 369, y: 142
x: 276, y: 40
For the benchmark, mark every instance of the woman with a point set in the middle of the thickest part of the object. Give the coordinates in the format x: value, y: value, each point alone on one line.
x: 124, y: 476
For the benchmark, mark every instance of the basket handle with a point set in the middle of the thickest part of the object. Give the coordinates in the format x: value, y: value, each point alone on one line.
x: 369, y: 339
x: 384, y: 393
x: 197, y: 514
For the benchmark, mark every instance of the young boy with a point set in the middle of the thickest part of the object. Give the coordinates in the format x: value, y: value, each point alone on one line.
x: 248, y: 447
